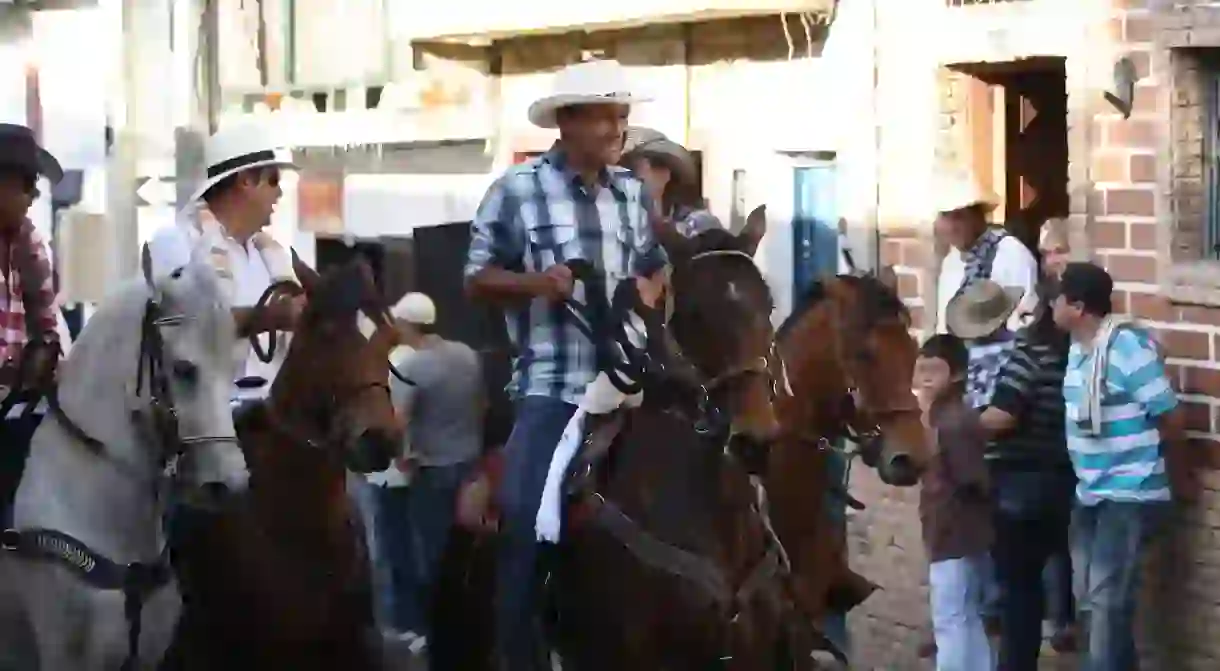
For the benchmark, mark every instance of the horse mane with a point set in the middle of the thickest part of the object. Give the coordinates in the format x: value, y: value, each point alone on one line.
x: 878, y: 300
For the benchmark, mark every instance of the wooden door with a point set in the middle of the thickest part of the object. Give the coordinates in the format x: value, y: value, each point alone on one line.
x: 1036, y: 151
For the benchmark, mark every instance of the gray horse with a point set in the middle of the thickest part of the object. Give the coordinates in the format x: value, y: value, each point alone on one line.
x: 141, y: 413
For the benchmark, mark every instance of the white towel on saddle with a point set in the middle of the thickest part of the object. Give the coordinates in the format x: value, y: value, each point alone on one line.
x: 600, y: 397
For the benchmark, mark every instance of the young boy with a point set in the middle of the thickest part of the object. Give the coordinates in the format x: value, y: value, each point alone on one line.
x: 954, y: 508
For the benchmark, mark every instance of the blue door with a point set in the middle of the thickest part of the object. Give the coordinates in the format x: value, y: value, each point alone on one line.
x: 815, y: 229
x: 815, y: 254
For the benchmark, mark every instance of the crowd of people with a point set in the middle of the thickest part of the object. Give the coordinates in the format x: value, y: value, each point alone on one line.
x: 1058, y: 434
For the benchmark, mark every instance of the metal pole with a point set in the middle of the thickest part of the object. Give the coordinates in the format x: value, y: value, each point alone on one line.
x: 197, y: 73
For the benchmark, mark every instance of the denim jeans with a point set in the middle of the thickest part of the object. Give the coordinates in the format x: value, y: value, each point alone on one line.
x: 1057, y: 581
x: 415, y: 525
x: 366, y: 497
x: 1032, y: 509
x: 957, y: 595
x: 540, y: 422
x: 1109, y: 540
x: 15, y: 436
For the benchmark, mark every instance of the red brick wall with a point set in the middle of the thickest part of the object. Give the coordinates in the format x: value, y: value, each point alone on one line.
x: 1182, y: 602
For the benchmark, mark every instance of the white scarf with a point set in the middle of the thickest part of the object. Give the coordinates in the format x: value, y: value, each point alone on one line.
x: 212, y: 234
x: 1094, y: 384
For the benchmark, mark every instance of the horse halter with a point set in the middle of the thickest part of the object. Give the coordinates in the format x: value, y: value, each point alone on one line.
x: 161, y: 407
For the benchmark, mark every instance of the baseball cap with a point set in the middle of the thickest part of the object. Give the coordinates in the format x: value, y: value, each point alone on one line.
x: 415, y: 308
x: 1088, y: 284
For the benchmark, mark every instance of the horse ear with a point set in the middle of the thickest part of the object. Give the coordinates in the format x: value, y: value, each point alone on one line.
x: 888, y: 277
x: 146, y: 265
x: 308, y: 277
x: 754, y: 230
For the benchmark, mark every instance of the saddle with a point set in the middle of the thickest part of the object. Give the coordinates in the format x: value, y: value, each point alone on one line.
x: 476, y: 501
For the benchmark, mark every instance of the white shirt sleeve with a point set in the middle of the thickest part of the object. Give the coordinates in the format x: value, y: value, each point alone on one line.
x: 1015, y: 266
x: 169, y: 249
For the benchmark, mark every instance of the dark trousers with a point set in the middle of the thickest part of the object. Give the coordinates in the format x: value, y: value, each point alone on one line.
x: 527, y: 459
x: 1032, y: 513
x: 15, y: 436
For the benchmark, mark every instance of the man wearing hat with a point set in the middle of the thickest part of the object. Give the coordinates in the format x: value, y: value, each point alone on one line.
x: 29, y: 314
x: 573, y: 202
x: 669, y: 172
x: 1125, y: 436
x: 226, y: 216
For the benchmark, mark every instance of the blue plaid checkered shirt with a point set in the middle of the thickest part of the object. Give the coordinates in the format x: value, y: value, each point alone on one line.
x: 987, y: 358
x: 538, y: 214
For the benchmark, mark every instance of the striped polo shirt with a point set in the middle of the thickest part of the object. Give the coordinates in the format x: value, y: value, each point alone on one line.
x: 1123, y: 462
x: 538, y: 214
x: 1030, y: 388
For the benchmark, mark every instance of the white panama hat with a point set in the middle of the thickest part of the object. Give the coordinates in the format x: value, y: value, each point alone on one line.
x: 415, y: 308
x: 959, y: 192
x: 595, y: 82
x: 238, y: 148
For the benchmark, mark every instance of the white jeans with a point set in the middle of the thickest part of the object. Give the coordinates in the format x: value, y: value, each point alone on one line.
x: 958, y: 597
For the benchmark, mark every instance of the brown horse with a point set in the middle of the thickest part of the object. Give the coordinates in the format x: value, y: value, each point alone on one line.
x: 849, y: 357
x: 284, y: 583
x: 665, y: 562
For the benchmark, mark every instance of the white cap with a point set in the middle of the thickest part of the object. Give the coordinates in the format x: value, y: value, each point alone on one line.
x: 415, y: 308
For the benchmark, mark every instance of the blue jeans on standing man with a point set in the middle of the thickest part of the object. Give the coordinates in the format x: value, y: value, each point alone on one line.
x: 1109, y: 540
x: 957, y: 593
x: 415, y: 525
x: 540, y: 422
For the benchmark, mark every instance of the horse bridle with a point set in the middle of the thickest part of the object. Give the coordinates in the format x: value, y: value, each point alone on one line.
x: 338, y: 401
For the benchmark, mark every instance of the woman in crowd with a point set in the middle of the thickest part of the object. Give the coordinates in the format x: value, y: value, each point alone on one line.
x: 672, y: 177
x: 1032, y: 477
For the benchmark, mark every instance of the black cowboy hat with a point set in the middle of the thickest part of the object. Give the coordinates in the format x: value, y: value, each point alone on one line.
x: 20, y: 149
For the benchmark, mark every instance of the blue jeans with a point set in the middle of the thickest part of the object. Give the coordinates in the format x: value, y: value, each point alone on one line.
x: 957, y: 593
x: 1057, y: 581
x: 1108, y: 541
x: 415, y: 525
x: 365, y: 495
x: 540, y: 422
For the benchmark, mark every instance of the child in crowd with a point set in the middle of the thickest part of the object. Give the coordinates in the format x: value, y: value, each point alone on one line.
x: 954, y: 508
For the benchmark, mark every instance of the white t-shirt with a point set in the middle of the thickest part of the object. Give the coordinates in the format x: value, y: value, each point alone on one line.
x: 171, y: 247
x: 1014, y: 266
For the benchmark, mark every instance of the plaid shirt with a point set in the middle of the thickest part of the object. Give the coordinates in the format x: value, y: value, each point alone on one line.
x: 987, y: 359
x: 539, y: 214
x: 13, y: 318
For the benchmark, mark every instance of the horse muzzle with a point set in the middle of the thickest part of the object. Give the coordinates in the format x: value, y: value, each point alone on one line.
x: 898, y: 469
x: 374, y: 451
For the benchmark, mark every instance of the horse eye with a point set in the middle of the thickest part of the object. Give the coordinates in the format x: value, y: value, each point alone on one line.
x: 186, y: 371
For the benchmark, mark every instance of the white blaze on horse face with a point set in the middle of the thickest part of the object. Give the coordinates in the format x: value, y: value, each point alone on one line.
x: 365, y: 325
x: 734, y: 293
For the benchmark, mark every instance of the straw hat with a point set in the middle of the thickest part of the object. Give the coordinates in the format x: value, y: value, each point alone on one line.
x: 981, y: 309
x: 654, y: 145
x: 960, y: 192
x: 20, y: 149
x: 239, y: 148
x: 598, y: 82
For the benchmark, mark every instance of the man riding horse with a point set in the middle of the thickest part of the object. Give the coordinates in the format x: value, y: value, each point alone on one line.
x: 229, y: 212
x: 571, y: 203
x: 29, y: 319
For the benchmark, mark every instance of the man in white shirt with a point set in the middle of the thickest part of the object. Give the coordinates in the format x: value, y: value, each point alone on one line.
x: 227, y: 215
x: 978, y: 251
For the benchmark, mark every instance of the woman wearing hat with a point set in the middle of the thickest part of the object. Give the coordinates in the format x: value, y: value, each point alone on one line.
x: 29, y: 311
x: 669, y: 173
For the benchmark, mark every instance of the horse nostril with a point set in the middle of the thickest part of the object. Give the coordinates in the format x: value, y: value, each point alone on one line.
x: 899, y: 469
x: 375, y: 450
x: 214, y: 493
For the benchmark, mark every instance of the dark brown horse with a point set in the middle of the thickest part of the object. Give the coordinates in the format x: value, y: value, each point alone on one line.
x: 665, y: 562
x: 849, y: 357
x: 283, y: 584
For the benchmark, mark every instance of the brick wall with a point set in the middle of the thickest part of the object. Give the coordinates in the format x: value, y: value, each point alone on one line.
x: 1145, y: 224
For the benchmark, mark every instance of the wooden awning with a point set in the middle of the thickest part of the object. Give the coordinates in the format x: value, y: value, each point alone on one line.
x: 470, y: 21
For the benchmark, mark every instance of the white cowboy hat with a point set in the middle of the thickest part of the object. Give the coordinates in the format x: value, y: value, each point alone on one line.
x: 981, y: 309
x: 238, y: 148
x: 960, y: 192
x: 652, y: 143
x: 597, y: 82
x: 415, y: 308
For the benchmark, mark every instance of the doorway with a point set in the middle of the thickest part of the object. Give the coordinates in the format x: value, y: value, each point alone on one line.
x: 1016, y: 120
